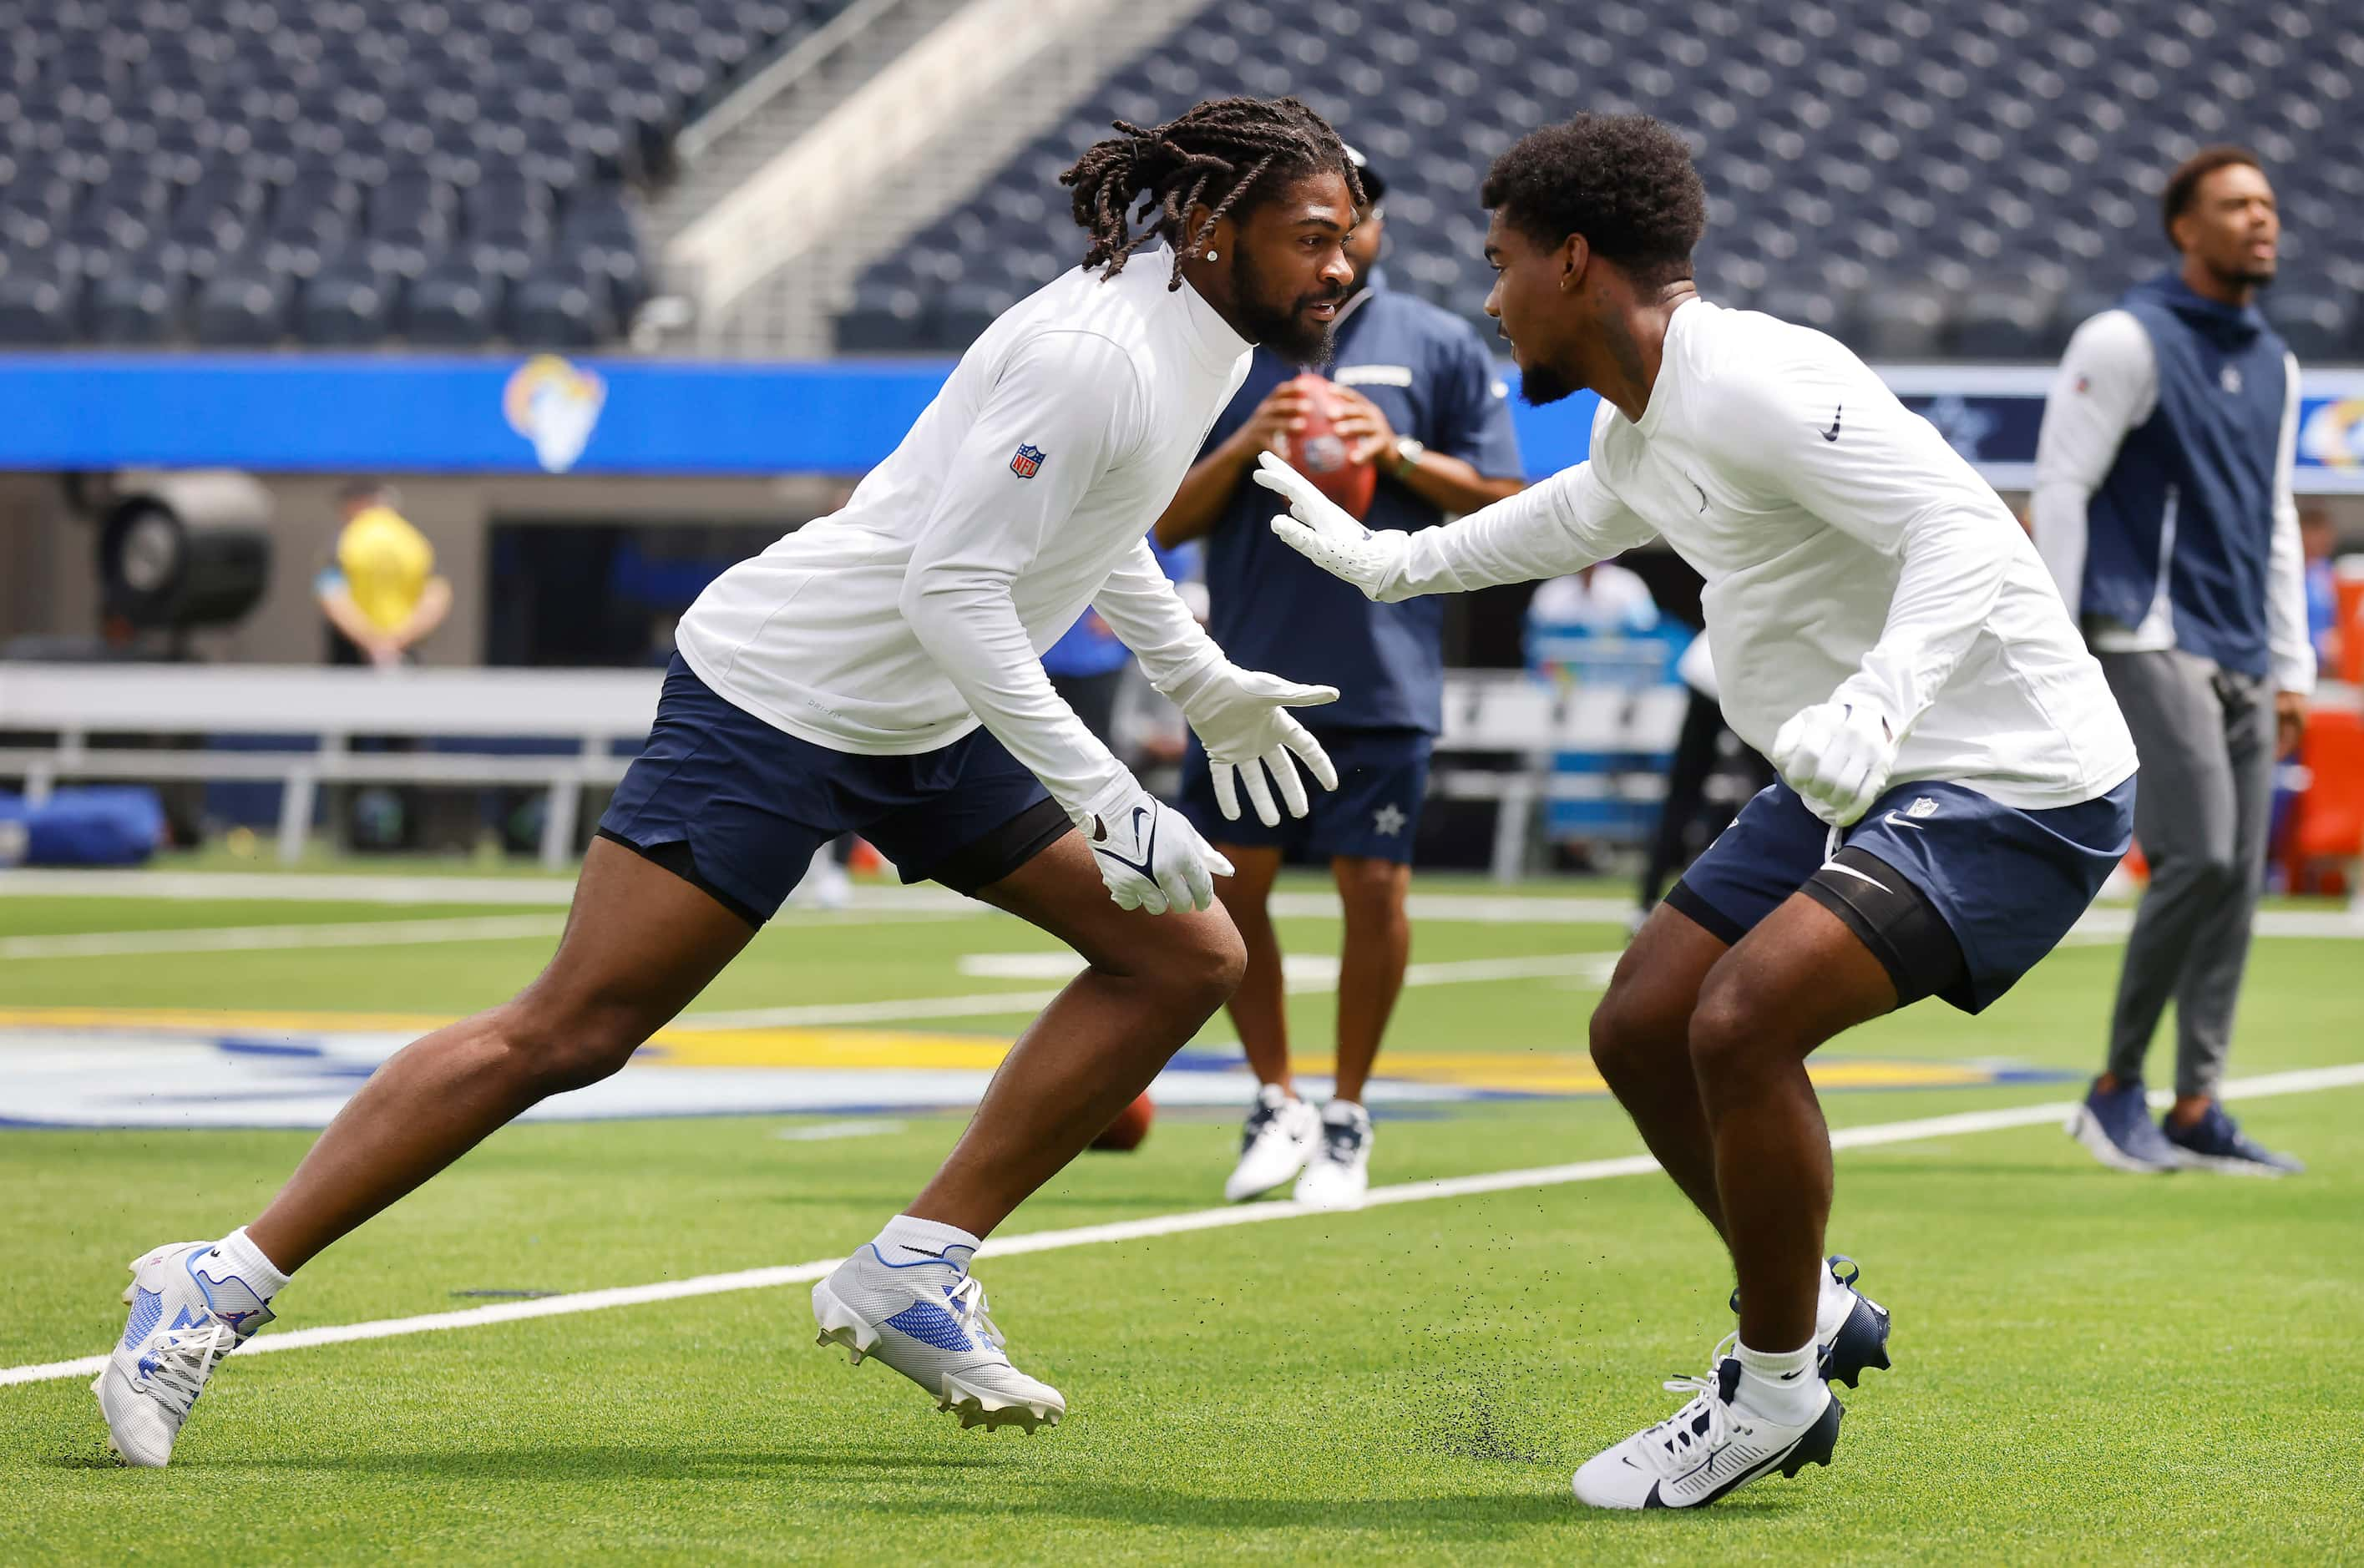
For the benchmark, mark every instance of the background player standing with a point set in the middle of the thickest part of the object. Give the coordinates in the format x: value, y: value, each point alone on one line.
x: 2163, y: 507
x: 1424, y: 403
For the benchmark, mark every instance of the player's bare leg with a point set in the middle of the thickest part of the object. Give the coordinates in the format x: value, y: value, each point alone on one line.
x: 1152, y: 981
x: 1258, y: 1008
x: 1797, y: 980
x: 1641, y: 1043
x: 1282, y: 1130
x: 908, y: 1298
x: 1377, y: 946
x: 639, y: 944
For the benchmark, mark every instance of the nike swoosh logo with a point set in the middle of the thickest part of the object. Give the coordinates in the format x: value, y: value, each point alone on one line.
x: 1895, y: 821
x: 1850, y: 871
x: 1833, y: 433
x: 1702, y: 490
x: 1149, y: 852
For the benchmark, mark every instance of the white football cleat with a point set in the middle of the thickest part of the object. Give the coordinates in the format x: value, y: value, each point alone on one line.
x: 1339, y: 1175
x: 187, y: 1312
x: 1708, y: 1448
x: 1282, y: 1135
x: 927, y: 1319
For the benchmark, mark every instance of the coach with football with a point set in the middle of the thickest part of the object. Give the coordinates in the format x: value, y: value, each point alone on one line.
x: 1414, y: 395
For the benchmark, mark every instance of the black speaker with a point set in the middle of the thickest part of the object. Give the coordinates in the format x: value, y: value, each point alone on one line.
x: 186, y: 551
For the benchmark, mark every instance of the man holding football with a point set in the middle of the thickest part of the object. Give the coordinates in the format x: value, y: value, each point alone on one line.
x: 1414, y: 395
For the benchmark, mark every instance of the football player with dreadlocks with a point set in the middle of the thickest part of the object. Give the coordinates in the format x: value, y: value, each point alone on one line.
x: 878, y: 671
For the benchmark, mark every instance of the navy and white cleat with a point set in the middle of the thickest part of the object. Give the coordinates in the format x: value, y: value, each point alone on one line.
x: 1709, y: 1448
x: 2215, y: 1143
x: 1850, y: 1328
x: 187, y: 1312
x: 927, y: 1319
x: 2115, y: 1126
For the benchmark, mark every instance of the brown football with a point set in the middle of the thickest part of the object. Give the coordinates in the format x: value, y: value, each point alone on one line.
x: 1131, y: 1126
x: 1319, y: 453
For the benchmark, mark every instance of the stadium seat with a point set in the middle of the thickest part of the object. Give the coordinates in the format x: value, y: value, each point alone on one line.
x: 133, y: 304
x: 303, y: 167
x: 2007, y: 324
x: 36, y: 304
x: 456, y: 307
x: 349, y: 306
x: 1847, y: 148
x: 559, y: 310
x: 2317, y: 326
x: 243, y: 309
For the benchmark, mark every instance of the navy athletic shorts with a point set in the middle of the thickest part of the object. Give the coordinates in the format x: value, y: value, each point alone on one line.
x: 2008, y: 884
x: 738, y: 806
x: 1374, y: 813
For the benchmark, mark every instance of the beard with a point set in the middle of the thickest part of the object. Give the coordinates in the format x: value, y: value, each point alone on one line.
x: 1539, y: 385
x: 1282, y: 328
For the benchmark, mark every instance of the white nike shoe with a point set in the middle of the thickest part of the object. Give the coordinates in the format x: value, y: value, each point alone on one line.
x: 1282, y: 1135
x: 1339, y: 1175
x: 1708, y: 1448
x: 187, y: 1312
x: 926, y: 1318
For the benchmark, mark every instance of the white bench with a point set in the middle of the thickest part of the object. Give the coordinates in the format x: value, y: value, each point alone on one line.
x: 325, y: 709
x: 1506, y: 711
x: 322, y: 709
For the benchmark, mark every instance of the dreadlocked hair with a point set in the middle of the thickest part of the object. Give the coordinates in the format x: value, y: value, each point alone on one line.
x: 1213, y: 154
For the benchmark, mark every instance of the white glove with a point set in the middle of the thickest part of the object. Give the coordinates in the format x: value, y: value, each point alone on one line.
x: 1242, y: 717
x: 1152, y: 858
x: 1837, y: 756
x: 1326, y: 534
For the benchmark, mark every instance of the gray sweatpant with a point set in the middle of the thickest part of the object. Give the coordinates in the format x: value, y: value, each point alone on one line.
x: 2201, y: 812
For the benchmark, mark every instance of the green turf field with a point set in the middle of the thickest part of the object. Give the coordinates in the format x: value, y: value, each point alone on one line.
x: 2090, y: 1368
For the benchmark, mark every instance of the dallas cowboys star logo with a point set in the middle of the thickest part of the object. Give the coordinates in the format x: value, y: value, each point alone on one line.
x: 1388, y: 821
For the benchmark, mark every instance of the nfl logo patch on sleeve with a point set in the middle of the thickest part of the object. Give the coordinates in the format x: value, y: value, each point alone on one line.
x: 1027, y: 462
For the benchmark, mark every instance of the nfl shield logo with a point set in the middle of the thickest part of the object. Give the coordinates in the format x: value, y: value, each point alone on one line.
x: 1027, y: 462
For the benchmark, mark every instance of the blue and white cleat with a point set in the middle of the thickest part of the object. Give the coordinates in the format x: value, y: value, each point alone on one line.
x: 2215, y: 1143
x: 2115, y: 1126
x: 187, y: 1312
x: 1709, y: 1448
x: 926, y: 1318
x: 1850, y: 1328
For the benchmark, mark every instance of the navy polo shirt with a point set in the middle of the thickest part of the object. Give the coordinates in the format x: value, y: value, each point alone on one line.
x: 1271, y: 608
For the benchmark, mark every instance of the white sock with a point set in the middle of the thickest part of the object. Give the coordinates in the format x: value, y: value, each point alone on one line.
x: 1780, y: 1386
x: 927, y: 1239
x: 246, y: 1261
x: 1836, y: 1300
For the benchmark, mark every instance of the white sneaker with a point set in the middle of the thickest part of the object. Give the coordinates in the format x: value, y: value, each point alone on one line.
x: 1282, y: 1135
x: 1339, y: 1175
x: 187, y: 1312
x: 926, y: 1318
x: 826, y: 885
x: 1708, y: 1448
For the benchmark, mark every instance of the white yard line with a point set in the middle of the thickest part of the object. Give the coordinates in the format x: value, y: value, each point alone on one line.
x: 2300, y: 1083
x: 1591, y: 966
x: 1482, y: 908
x: 250, y: 939
x: 385, y: 933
